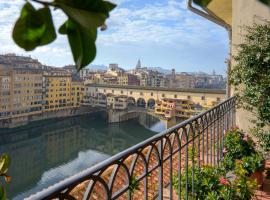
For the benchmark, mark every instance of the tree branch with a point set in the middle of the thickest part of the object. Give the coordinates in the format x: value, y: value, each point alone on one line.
x: 43, y: 2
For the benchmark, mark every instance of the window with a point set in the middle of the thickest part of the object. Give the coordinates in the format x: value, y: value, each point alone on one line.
x: 163, y: 95
x: 112, y: 91
x: 141, y: 93
x: 122, y: 92
x: 104, y: 90
x: 203, y: 98
x: 152, y: 94
x: 218, y: 98
x: 175, y: 96
x: 130, y: 92
x: 189, y: 97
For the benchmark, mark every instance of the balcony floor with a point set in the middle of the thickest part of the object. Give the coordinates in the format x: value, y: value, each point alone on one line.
x: 264, y: 194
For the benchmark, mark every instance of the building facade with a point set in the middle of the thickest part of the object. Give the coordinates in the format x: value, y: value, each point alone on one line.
x: 179, y: 108
x: 57, y: 95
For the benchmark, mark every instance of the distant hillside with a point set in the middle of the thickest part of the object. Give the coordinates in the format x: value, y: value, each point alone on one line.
x: 161, y: 70
x: 97, y: 67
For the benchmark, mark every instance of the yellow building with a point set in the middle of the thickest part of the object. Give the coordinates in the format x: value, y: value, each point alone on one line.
x: 77, y: 92
x: 58, y: 90
x: 180, y: 108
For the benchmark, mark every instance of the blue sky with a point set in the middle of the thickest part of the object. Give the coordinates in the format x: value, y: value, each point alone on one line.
x: 162, y: 33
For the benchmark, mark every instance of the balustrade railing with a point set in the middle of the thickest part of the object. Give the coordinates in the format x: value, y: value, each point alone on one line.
x: 147, y: 170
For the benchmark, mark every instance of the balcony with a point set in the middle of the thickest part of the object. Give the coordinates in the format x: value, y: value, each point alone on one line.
x: 148, y: 169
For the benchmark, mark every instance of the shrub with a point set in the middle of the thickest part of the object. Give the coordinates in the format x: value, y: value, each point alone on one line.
x: 213, y: 183
x: 236, y: 146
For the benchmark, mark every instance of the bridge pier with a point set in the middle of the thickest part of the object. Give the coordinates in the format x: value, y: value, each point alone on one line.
x: 115, y: 116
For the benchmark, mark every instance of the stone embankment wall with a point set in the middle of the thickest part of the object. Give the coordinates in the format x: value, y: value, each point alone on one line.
x: 23, y: 120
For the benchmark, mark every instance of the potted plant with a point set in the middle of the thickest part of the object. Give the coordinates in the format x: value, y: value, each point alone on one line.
x: 4, y: 164
x: 236, y: 146
x: 254, y: 165
x: 213, y: 182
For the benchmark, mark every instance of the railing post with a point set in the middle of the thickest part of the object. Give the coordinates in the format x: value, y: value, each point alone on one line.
x: 160, y: 175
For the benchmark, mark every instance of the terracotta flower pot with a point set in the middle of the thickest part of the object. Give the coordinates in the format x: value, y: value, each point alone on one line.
x: 258, y: 176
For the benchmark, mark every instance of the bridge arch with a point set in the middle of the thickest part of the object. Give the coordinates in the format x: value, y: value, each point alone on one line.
x: 141, y: 102
x: 131, y: 101
x: 151, y: 103
x: 101, y: 96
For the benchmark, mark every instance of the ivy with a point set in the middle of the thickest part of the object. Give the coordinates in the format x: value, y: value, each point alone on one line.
x: 251, y: 75
x: 35, y: 28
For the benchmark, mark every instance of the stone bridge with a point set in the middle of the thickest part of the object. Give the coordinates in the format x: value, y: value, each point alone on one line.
x: 146, y: 97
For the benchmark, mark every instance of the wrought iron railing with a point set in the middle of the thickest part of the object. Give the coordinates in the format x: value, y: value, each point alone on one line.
x: 147, y: 170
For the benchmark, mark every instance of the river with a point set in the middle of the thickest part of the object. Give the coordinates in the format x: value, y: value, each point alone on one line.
x: 45, y: 152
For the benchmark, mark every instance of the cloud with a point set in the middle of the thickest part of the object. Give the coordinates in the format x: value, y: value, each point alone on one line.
x: 135, y: 26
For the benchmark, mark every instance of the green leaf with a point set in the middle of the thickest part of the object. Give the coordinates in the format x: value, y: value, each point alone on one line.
x: 33, y: 28
x: 84, y: 18
x: 2, y: 193
x: 88, y: 13
x: 49, y: 34
x: 203, y: 3
x: 82, y: 42
x: 4, y: 163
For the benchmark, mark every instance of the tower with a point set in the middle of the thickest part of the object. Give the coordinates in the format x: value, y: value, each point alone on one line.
x: 173, y: 74
x: 138, y: 66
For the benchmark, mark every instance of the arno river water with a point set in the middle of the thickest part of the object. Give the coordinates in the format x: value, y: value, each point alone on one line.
x: 45, y: 152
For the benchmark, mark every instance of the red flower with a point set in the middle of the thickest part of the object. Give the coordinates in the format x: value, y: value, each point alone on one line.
x: 223, y: 181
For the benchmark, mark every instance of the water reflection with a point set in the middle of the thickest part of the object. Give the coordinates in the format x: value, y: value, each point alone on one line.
x: 46, y: 152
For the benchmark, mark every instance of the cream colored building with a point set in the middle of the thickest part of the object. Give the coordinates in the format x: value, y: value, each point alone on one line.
x: 20, y: 91
x: 122, y: 79
x: 117, y: 102
x: 233, y: 15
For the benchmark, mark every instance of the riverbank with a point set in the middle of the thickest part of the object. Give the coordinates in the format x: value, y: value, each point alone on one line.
x: 22, y: 120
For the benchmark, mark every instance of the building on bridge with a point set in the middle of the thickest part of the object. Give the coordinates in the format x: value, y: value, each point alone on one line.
x: 148, y: 96
x: 179, y: 108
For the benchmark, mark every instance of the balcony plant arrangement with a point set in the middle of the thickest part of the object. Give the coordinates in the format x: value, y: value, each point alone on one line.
x: 240, y: 148
x: 212, y: 183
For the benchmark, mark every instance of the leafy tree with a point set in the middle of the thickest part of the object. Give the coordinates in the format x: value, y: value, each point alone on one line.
x: 35, y: 26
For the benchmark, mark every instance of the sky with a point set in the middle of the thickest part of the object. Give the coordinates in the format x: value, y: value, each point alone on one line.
x: 161, y: 33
